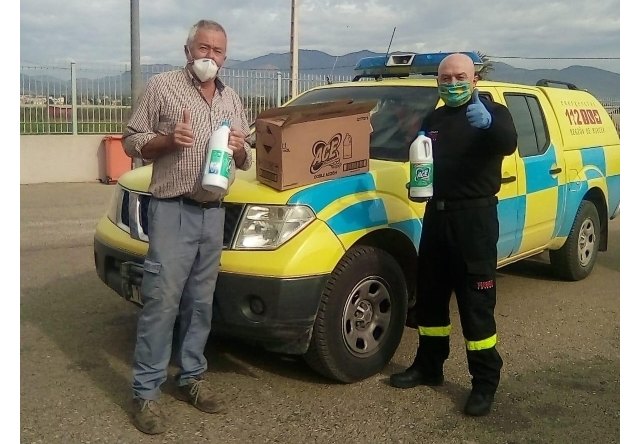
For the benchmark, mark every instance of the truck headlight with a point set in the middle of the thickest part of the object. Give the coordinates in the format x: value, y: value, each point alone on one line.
x: 266, y: 227
x: 114, y: 213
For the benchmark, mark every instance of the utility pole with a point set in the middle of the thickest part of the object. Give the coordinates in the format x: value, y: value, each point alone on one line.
x: 136, y: 73
x: 294, y: 49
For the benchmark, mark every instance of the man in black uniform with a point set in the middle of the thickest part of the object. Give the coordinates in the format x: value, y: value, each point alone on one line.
x: 458, y: 249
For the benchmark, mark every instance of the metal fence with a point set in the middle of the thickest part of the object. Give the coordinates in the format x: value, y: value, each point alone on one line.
x: 96, y: 99
x: 612, y: 106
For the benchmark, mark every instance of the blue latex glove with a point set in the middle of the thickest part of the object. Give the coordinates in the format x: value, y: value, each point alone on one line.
x: 477, y: 113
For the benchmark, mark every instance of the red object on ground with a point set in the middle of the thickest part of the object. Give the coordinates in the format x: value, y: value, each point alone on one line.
x: 116, y: 161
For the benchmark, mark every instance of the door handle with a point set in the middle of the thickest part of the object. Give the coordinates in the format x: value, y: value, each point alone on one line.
x: 508, y: 179
x: 555, y: 170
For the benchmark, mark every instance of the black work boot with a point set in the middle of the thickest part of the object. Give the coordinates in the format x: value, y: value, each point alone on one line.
x: 484, y: 366
x: 478, y: 403
x: 414, y: 376
x: 427, y: 365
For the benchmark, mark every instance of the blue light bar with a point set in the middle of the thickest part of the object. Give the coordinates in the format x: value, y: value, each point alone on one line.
x: 402, y: 65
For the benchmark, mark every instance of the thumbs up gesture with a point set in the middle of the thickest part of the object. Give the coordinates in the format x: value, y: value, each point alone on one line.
x: 477, y: 113
x: 183, y: 133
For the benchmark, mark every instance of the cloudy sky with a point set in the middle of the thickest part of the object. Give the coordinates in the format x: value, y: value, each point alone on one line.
x: 53, y: 31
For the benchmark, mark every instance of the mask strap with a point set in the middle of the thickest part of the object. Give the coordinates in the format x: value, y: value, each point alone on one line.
x: 189, y: 54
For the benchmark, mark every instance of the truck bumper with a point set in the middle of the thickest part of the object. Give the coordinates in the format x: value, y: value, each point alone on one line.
x: 275, y: 313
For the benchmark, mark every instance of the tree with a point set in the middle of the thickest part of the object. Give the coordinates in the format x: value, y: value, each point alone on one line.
x: 487, y: 66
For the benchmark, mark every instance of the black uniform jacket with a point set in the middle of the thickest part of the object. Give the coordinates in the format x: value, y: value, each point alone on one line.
x: 467, y: 161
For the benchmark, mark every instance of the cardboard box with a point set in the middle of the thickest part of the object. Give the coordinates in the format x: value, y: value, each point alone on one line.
x: 299, y: 145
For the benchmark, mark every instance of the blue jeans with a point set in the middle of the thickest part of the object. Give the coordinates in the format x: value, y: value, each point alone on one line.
x: 180, y: 272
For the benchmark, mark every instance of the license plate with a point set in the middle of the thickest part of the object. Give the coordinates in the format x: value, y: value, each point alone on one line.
x: 131, y: 272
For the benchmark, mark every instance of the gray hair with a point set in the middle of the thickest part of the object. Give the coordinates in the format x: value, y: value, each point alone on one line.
x: 204, y: 24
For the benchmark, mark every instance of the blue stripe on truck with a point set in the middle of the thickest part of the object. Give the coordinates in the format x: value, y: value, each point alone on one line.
x: 320, y: 195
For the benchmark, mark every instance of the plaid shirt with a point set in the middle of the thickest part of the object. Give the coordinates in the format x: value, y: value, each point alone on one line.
x: 179, y: 173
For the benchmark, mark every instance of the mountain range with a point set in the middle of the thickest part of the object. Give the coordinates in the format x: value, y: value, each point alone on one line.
x: 601, y: 83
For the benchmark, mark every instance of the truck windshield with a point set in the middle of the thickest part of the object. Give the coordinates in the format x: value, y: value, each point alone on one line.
x: 396, y: 118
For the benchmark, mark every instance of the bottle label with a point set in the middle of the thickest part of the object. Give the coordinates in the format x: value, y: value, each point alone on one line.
x: 219, y: 163
x: 421, y: 175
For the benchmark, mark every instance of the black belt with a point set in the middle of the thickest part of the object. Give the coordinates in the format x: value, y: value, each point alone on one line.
x: 461, y: 204
x: 195, y: 203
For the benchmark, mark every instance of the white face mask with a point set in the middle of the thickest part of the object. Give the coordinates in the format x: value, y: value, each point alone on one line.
x: 205, y: 69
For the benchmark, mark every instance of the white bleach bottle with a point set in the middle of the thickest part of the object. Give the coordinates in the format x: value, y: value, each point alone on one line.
x: 217, y: 165
x: 421, y: 167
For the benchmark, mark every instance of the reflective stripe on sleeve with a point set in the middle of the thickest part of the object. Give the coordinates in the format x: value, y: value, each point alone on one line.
x: 483, y: 344
x: 435, y: 331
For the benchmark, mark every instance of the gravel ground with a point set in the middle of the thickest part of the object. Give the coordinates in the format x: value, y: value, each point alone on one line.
x: 560, y: 342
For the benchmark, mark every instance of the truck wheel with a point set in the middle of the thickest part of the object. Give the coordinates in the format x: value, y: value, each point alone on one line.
x: 361, y: 316
x: 576, y: 258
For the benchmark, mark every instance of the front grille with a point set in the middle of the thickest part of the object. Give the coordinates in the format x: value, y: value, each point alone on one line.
x: 138, y: 201
x: 232, y: 214
x: 144, y: 209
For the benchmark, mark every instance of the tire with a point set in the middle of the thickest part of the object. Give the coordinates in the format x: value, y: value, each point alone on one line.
x: 361, y: 316
x: 577, y: 257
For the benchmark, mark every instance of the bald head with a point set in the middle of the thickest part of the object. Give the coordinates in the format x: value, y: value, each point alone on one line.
x: 457, y: 68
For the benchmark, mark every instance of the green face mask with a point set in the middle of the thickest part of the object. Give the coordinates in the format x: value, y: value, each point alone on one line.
x: 455, y: 94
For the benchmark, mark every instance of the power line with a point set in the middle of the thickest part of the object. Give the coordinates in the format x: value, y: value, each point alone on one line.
x: 336, y: 66
x: 553, y: 58
x: 488, y: 56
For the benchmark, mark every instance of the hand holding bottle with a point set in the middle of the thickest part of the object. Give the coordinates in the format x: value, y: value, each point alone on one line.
x: 412, y: 198
x: 236, y: 139
x: 236, y: 143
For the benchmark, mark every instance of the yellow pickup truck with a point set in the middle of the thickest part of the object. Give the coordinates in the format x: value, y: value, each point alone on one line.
x: 327, y: 270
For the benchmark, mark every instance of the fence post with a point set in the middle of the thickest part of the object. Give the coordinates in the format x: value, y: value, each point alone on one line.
x: 74, y: 100
x: 279, y: 99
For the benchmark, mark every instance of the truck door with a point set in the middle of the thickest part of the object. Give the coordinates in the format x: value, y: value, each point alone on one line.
x: 508, y: 200
x: 540, y: 169
x: 508, y: 207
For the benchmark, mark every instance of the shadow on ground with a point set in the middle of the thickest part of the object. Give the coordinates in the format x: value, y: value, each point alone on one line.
x: 96, y: 330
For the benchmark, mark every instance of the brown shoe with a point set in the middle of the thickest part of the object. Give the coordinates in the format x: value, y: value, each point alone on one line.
x: 148, y: 417
x: 198, y: 393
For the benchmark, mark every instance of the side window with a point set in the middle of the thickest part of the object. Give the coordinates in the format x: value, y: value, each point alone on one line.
x: 533, y: 138
x: 486, y: 95
x: 542, y: 135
